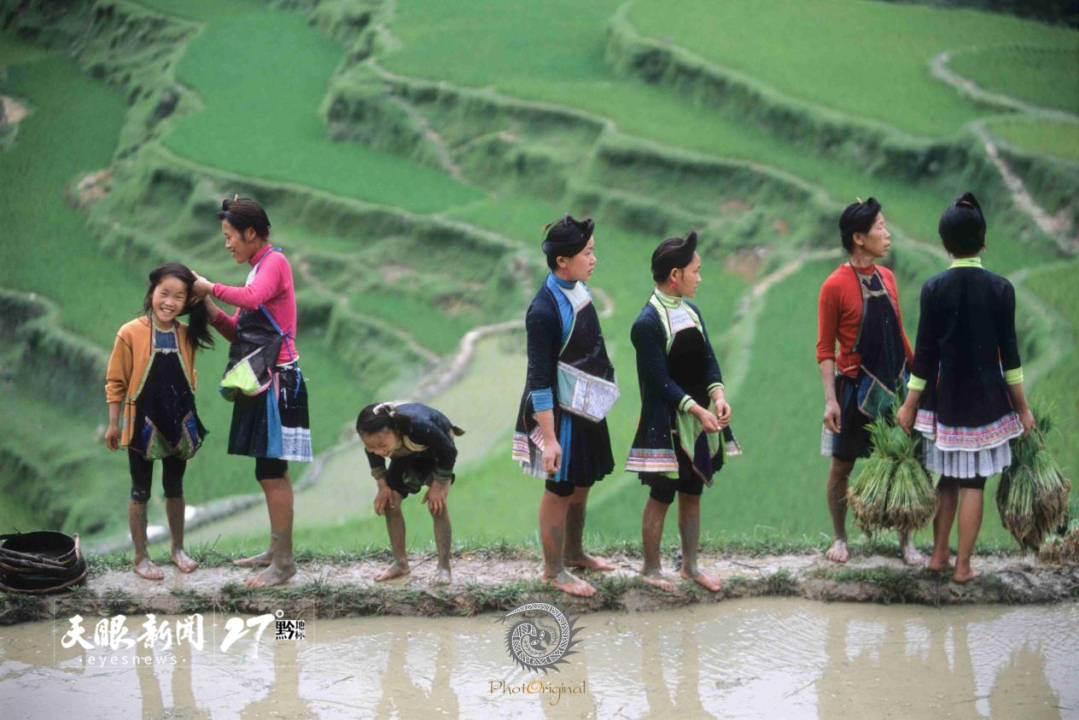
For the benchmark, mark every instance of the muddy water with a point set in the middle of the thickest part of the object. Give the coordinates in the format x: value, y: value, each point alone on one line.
x: 753, y: 658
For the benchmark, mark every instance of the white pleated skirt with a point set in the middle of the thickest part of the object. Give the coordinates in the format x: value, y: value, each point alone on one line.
x: 967, y: 463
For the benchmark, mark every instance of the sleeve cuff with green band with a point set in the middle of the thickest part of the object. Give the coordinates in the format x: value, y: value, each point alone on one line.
x: 714, y: 386
x: 1014, y: 377
x: 915, y: 383
x: 378, y: 473
x: 685, y: 403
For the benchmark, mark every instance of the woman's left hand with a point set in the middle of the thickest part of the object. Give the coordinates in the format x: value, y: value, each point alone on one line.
x: 203, y: 287
x: 723, y: 413
x: 435, y: 498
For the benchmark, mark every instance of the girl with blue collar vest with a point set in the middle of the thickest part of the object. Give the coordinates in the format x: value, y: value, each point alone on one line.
x: 561, y: 434
x: 678, y: 445
x: 966, y: 387
x: 418, y: 441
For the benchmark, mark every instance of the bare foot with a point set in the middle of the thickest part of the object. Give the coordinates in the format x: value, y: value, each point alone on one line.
x: 838, y: 552
x: 396, y: 570
x: 712, y: 584
x: 911, y: 556
x: 936, y: 564
x: 567, y: 583
x: 442, y: 577
x: 965, y: 577
x: 145, y: 568
x: 263, y: 559
x: 273, y: 575
x: 180, y: 559
x: 659, y: 580
x: 587, y: 562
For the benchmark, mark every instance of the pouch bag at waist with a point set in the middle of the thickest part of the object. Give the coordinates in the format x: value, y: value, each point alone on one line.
x: 585, y: 395
x: 252, y: 356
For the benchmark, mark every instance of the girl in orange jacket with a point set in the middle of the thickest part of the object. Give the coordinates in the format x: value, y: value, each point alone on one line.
x: 150, y: 391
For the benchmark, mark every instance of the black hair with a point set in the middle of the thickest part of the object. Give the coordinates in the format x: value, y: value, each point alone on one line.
x: 858, y: 217
x: 377, y: 417
x: 674, y: 252
x: 565, y: 238
x: 198, y: 324
x: 243, y: 213
x: 962, y: 227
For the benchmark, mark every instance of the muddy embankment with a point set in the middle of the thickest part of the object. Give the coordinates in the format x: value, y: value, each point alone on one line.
x: 486, y: 582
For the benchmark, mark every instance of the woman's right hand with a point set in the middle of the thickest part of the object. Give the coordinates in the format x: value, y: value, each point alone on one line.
x: 112, y: 437
x: 386, y: 498
x: 551, y: 457
x: 831, y: 416
x: 709, y: 422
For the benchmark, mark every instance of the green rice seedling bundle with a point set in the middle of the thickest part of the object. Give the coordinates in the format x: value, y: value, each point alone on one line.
x: 892, y: 490
x: 1033, y: 493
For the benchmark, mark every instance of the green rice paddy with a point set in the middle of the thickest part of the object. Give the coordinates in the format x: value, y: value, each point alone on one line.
x: 251, y: 118
x: 1043, y: 76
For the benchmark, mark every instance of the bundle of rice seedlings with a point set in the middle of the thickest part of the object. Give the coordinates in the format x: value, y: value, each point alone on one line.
x: 892, y: 490
x: 1062, y: 550
x: 1033, y: 493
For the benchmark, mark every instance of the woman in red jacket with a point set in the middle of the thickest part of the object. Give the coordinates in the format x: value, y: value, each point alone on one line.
x: 859, y: 311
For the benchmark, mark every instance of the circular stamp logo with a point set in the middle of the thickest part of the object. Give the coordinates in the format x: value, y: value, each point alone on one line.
x: 540, y: 637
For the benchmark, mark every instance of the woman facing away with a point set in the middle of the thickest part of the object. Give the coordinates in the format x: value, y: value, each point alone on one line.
x: 270, y: 418
x: 966, y: 387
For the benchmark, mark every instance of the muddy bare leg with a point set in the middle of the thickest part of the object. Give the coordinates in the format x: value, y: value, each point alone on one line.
x: 395, y: 528
x: 836, y: 493
x: 136, y: 520
x: 444, y: 544
x: 174, y: 510
x: 689, y: 527
x: 553, y: 510
x: 655, y: 514
x: 907, y: 551
x: 573, y: 551
x: 948, y: 498
x: 263, y: 559
x: 278, y: 492
x: 970, y: 522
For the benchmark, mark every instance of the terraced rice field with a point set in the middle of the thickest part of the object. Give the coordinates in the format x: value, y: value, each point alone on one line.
x: 409, y: 154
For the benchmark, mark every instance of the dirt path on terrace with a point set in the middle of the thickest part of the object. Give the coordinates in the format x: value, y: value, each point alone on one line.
x: 485, y: 583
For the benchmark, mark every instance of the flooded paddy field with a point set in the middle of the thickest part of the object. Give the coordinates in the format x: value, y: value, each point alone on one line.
x: 753, y: 657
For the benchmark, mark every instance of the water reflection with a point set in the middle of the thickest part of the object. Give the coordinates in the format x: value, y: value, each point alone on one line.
x: 754, y: 658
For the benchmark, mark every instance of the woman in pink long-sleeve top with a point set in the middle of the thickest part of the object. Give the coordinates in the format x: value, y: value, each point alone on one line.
x: 271, y: 424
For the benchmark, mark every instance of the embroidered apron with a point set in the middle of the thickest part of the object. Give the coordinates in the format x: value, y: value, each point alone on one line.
x: 880, y: 344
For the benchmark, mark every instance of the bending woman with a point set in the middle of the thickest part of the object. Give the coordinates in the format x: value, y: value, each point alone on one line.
x: 272, y: 425
x: 418, y: 440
